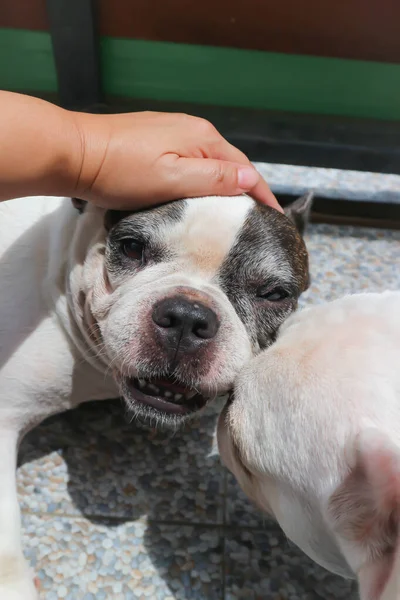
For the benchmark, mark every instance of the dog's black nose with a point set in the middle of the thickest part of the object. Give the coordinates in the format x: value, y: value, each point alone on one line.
x: 185, y: 322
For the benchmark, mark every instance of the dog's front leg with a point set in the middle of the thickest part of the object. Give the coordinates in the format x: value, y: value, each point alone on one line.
x: 16, y: 582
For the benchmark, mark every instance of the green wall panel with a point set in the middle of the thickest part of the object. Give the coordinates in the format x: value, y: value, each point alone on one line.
x: 220, y: 76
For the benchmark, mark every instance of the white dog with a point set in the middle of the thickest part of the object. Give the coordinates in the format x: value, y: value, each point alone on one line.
x: 164, y: 306
x: 313, y: 436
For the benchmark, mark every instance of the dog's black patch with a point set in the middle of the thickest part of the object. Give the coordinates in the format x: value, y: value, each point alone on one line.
x: 269, y: 253
x: 142, y: 226
x: 143, y: 219
x: 113, y: 217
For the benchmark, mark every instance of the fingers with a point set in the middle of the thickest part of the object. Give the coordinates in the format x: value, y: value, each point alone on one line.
x: 261, y: 193
x: 222, y: 150
x: 207, y: 177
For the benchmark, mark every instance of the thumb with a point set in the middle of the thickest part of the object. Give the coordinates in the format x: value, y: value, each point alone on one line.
x: 208, y: 177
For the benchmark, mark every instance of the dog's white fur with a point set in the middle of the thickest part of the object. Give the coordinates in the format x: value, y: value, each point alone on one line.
x: 57, y: 299
x: 313, y: 436
x: 40, y: 363
x: 48, y: 360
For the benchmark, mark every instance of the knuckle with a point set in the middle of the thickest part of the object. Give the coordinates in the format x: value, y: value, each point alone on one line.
x: 182, y: 115
x: 204, y: 127
x: 219, y: 174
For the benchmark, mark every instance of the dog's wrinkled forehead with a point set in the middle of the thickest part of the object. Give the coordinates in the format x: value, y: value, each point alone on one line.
x: 147, y: 222
x: 216, y: 236
x: 198, y: 231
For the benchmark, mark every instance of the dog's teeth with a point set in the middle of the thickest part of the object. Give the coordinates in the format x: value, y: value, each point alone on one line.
x: 154, y: 388
x: 178, y: 397
x: 142, y: 383
x: 190, y: 394
x: 167, y: 394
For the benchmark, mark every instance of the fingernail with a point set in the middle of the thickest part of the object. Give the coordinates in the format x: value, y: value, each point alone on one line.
x: 247, y: 178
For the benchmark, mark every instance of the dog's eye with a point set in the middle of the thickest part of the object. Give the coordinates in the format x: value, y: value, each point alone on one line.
x: 132, y: 249
x: 272, y: 295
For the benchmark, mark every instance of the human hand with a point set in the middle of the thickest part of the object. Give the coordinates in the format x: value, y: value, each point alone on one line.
x: 137, y: 159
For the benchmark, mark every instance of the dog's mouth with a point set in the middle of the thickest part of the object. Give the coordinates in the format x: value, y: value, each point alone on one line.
x: 166, y: 395
x: 230, y: 398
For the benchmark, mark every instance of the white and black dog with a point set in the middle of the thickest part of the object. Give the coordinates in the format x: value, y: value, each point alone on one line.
x: 163, y: 307
x: 313, y: 436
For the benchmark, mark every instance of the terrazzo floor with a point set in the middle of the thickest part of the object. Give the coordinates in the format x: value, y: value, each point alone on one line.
x: 111, y: 511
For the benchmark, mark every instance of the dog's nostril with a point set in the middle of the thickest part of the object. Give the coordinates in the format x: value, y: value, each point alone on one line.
x: 165, y: 320
x: 189, y: 318
x: 205, y: 329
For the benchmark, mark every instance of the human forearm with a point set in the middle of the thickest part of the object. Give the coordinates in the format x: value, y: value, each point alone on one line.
x: 40, y: 150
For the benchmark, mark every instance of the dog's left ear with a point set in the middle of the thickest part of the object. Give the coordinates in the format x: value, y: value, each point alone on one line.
x: 365, y: 512
x: 299, y: 211
x: 79, y: 204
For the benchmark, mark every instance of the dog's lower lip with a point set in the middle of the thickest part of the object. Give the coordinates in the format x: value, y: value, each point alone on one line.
x: 182, y: 401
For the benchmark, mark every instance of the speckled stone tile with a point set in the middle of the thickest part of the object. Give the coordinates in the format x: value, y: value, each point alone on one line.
x: 346, y: 260
x: 332, y: 183
x: 78, y: 560
x: 93, y: 461
x: 343, y: 260
x: 239, y: 510
x: 263, y: 565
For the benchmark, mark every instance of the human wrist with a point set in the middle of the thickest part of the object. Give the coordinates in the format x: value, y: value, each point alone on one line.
x: 91, y: 137
x: 65, y: 163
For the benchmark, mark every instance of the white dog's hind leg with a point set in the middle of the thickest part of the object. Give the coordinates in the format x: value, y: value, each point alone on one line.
x: 16, y: 582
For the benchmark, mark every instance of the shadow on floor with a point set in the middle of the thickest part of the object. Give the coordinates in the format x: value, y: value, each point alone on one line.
x: 115, y: 472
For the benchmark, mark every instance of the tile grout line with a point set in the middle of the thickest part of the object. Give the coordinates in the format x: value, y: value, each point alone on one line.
x: 224, y: 529
x: 104, y: 520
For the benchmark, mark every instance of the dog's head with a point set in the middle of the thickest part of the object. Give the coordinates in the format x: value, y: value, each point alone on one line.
x: 177, y: 298
x: 312, y: 434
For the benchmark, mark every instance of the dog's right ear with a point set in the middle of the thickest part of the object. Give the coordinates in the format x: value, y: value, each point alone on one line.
x: 79, y: 204
x: 299, y: 211
x: 365, y: 512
